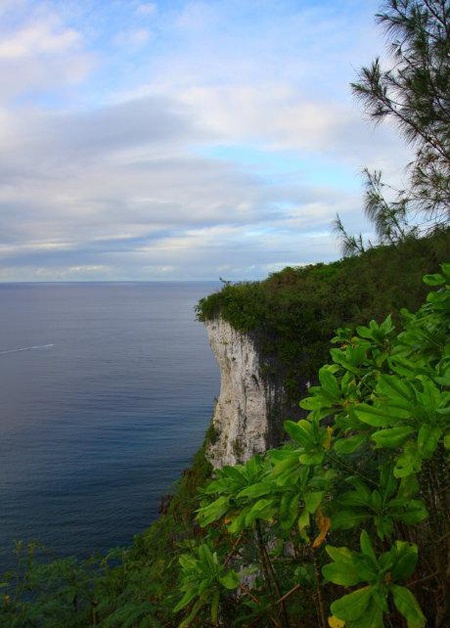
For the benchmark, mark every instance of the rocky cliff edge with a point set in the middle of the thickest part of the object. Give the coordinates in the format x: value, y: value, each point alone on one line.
x: 246, y: 417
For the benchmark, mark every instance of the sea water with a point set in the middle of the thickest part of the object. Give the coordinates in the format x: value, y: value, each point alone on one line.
x: 106, y: 391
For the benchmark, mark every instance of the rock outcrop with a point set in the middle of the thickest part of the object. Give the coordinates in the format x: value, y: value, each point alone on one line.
x: 248, y: 413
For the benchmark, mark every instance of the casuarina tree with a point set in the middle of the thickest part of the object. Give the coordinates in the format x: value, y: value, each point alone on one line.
x: 412, y: 90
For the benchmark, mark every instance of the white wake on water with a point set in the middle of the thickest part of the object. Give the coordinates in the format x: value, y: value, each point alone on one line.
x: 32, y: 348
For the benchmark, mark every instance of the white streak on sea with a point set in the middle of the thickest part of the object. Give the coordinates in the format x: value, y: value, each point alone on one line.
x: 33, y: 348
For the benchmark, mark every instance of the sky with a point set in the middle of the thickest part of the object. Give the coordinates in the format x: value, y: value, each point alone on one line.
x: 183, y: 139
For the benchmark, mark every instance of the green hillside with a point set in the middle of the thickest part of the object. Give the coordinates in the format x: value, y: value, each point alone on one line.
x: 293, y: 314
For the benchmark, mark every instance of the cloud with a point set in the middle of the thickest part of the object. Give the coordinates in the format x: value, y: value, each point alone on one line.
x: 52, y: 145
x: 115, y: 180
x: 143, y: 141
x: 39, y: 53
x: 44, y: 37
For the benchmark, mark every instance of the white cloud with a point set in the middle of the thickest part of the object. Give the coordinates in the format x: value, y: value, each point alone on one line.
x: 44, y: 37
x: 39, y: 53
x: 111, y: 137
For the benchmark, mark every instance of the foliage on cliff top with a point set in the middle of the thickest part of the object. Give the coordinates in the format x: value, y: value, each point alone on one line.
x: 293, y: 313
x: 365, y: 471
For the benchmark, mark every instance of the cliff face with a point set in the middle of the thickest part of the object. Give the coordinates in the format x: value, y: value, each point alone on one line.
x: 247, y: 417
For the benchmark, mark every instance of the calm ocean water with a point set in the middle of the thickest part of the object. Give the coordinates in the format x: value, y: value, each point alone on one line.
x: 106, y: 391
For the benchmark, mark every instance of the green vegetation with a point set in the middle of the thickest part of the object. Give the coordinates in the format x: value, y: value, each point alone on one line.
x: 367, y: 469
x: 413, y: 94
x: 347, y: 524
x: 293, y: 314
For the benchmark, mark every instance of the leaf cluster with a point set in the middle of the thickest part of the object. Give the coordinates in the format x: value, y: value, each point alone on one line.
x: 368, y: 466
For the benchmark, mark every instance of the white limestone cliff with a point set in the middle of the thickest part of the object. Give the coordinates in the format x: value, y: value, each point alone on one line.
x: 243, y: 421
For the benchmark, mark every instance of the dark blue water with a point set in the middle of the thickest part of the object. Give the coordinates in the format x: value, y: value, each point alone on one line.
x: 106, y: 391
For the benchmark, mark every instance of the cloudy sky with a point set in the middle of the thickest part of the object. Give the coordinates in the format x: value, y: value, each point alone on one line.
x: 182, y: 139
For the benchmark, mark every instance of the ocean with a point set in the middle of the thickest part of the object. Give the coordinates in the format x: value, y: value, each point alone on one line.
x: 106, y: 391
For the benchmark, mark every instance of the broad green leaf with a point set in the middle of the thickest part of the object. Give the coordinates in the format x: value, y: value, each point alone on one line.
x: 388, y: 483
x: 408, y: 487
x: 329, y: 382
x: 408, y: 606
x: 286, y: 464
x: 402, y: 366
x: 406, y: 560
x: 186, y: 599
x: 376, y: 501
x: 350, y: 566
x: 377, y: 417
x: 428, y: 439
x: 312, y: 458
x: 261, y: 510
x: 443, y: 411
x: 443, y: 381
x: 238, y: 523
x: 352, y: 606
x: 434, y: 280
x: 311, y: 403
x: 387, y: 326
x: 257, y: 490
x: 288, y: 510
x: 348, y: 445
x: 339, y: 357
x: 384, y: 526
x: 187, y: 562
x: 346, y: 519
x: 304, y: 522
x: 430, y: 394
x: 409, y: 511
x: 230, y: 580
x: 360, y: 496
x: 312, y: 501
x: 373, y: 617
x: 213, y: 512
x: 409, y: 462
x: 346, y: 575
x: 366, y: 547
x: 396, y: 391
x: 365, y: 332
x: 392, y: 437
x: 300, y: 431
x: 208, y: 557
